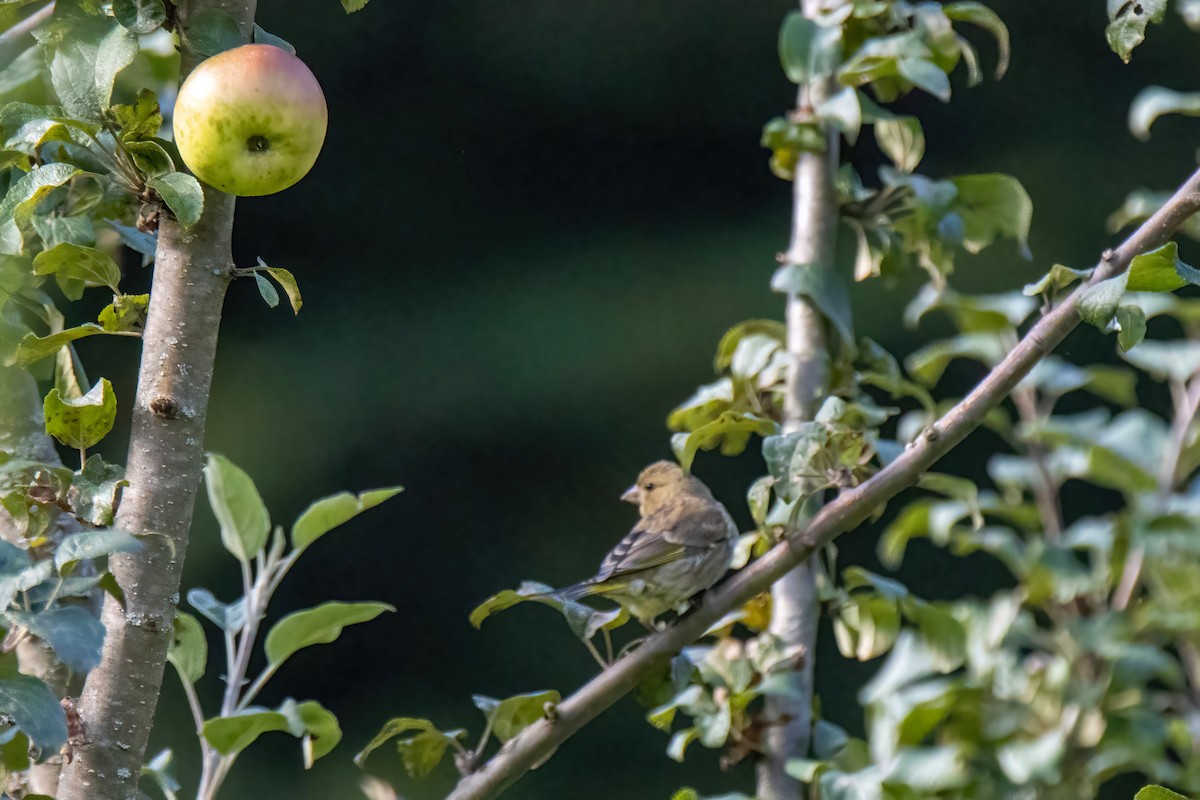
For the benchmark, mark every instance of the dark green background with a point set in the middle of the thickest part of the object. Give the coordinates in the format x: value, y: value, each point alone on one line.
x: 531, y: 222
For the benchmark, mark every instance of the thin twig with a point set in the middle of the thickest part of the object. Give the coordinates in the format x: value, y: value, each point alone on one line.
x: 1186, y: 401
x: 537, y: 742
x: 25, y: 27
x: 1045, y: 492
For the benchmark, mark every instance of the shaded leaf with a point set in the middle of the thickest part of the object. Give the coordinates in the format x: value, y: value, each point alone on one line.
x: 93, y: 544
x: 731, y: 431
x: 189, y: 647
x: 182, y: 194
x: 82, y: 422
x: 901, y: 139
x: 228, y: 617
x: 423, y: 754
x: 33, y: 349
x: 73, y: 632
x: 140, y: 16
x: 35, y: 710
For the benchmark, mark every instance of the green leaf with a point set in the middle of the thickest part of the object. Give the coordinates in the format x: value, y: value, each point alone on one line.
x: 139, y: 241
x: 1157, y: 793
x: 228, y: 617
x: 76, y: 267
x: 320, y: 625
x: 143, y: 118
x: 510, y: 716
x: 1098, y: 303
x: 182, y: 194
x: 35, y: 710
x: 54, y: 230
x: 245, y: 523
x: 213, y: 30
x: 140, y: 16
x: 1059, y: 277
x: 925, y: 75
x: 269, y: 295
x: 806, y: 49
x: 826, y: 291
x: 235, y: 733
x: 421, y: 753
x: 733, y: 337
x: 902, y: 139
x: 22, y: 198
x: 843, y: 111
x: 1128, y: 21
x: 354, y: 5
x: 82, y: 422
x: 1166, y: 361
x: 34, y: 348
x: 1131, y: 322
x: 261, y: 36
x: 929, y: 363
x: 979, y: 14
x: 731, y: 431
x: 93, y: 544
x: 1156, y: 101
x: 86, y: 62
x: 189, y: 648
x: 288, y: 281
x: 334, y: 511
x: 1156, y: 271
x: 150, y: 158
x: 73, y: 632
x: 23, y: 69
x: 315, y: 725
x: 125, y: 313
x: 993, y: 205
x: 584, y: 621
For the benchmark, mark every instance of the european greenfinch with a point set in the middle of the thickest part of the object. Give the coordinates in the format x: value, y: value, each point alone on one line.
x: 682, y: 545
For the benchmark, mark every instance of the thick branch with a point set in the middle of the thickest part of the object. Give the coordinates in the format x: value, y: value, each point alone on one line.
x: 192, y: 270
x: 850, y: 508
x: 795, y: 609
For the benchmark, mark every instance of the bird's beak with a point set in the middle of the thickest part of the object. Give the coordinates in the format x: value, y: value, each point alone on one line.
x: 633, y: 495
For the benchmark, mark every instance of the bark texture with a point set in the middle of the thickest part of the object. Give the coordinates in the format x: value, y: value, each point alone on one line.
x: 192, y: 271
x: 795, y: 609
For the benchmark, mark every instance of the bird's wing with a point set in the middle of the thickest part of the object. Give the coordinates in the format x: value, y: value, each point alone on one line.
x: 651, y: 544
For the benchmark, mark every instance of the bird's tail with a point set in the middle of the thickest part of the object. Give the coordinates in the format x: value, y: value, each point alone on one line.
x: 583, y: 589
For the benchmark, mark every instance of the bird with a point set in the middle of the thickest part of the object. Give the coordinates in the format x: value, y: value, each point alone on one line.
x: 682, y: 544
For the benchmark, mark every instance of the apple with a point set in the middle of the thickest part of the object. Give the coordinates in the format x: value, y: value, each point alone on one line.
x: 250, y: 121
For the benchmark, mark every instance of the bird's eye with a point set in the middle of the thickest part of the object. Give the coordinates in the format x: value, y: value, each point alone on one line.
x: 649, y: 487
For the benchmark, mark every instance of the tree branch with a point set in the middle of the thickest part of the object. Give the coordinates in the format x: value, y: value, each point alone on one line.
x: 192, y: 270
x: 795, y: 608
x: 848, y: 510
x: 12, y: 38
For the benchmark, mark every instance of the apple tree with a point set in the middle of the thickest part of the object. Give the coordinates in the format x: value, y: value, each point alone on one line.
x: 1086, y: 667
